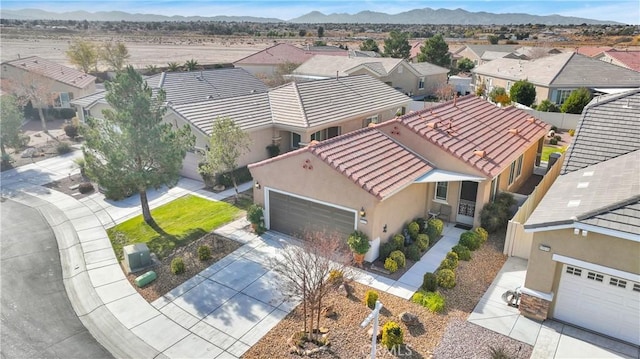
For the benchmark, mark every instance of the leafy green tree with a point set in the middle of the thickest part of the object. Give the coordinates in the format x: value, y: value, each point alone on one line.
x: 84, y: 55
x: 499, y: 95
x: 191, y: 65
x: 369, y: 45
x: 436, y: 51
x: 576, y: 101
x: 114, y: 55
x: 493, y: 39
x: 320, y: 31
x: 173, y: 66
x: 465, y: 64
x: 397, y: 45
x: 302, y: 33
x: 523, y: 92
x: 548, y: 106
x: 11, y: 118
x: 228, y: 142
x: 132, y: 148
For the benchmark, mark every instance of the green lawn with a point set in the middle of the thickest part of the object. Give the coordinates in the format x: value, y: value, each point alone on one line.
x: 547, y: 150
x: 184, y: 220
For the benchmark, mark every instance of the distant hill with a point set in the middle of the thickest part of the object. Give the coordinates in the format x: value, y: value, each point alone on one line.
x: 417, y: 16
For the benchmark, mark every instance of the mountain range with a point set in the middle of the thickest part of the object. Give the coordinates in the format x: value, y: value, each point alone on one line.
x: 416, y: 16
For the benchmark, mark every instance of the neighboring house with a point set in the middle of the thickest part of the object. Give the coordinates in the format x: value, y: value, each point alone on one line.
x: 627, y: 59
x: 593, y: 51
x: 413, y: 79
x: 456, y: 155
x: 532, y: 52
x: 555, y: 76
x: 584, y: 265
x: 289, y: 116
x: 266, y: 62
x: 62, y: 83
x: 481, y: 54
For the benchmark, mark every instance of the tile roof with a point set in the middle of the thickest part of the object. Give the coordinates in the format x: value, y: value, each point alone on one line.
x: 426, y: 68
x: 52, y: 70
x: 605, y: 195
x: 481, y: 49
x: 89, y: 100
x: 471, y: 124
x: 323, y: 65
x: 609, y: 127
x: 282, y: 52
x: 369, y: 158
x: 566, y: 69
x: 630, y: 59
x: 592, y: 51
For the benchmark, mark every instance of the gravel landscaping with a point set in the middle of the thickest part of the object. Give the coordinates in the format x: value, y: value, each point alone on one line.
x: 446, y: 335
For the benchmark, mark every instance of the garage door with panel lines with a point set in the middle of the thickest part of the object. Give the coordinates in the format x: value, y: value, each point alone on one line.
x: 296, y: 216
x: 599, y: 302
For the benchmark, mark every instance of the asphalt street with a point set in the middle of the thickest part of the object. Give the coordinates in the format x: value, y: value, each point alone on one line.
x: 37, y: 319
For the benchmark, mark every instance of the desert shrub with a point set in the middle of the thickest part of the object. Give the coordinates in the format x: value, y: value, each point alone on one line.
x: 414, y: 229
x: 177, y: 265
x: 505, y: 199
x: 390, y: 265
x: 548, y: 106
x: 398, y: 242
x: 435, y: 227
x: 572, y: 132
x: 558, y: 138
x: 499, y: 353
x: 386, y: 249
x: 422, y: 224
x: 71, y: 130
x: 422, y: 242
x: 370, y: 298
x: 446, y: 278
x: 336, y: 276
x: 204, y: 252
x: 6, y: 159
x: 494, y: 216
x: 453, y: 257
x: 66, y: 113
x: 399, y: 258
x: 254, y: 214
x: 470, y: 240
x: 413, y: 252
x: 553, y: 141
x: 482, y: 234
x: 429, y: 282
x: 431, y: 300
x: 447, y: 264
x: 63, y: 147
x: 85, y: 187
x: 392, y: 335
x: 242, y: 175
x: 464, y: 254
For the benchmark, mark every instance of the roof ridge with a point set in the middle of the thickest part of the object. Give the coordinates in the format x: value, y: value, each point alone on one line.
x: 572, y: 54
x: 609, y: 207
x: 296, y: 91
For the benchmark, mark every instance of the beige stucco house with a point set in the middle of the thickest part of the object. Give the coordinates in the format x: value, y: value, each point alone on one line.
x: 413, y: 79
x: 457, y: 154
x: 59, y: 84
x: 266, y: 62
x: 584, y: 265
x: 555, y: 76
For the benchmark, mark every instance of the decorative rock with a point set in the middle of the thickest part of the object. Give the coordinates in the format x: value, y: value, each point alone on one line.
x: 28, y: 153
x: 218, y: 188
x: 323, y: 331
x: 328, y: 312
x: 370, y: 332
x: 409, y: 318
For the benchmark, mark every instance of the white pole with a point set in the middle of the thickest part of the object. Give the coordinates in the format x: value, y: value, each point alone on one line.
x: 374, y: 336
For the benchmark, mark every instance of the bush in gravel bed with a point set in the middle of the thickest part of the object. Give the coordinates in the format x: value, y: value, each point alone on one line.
x: 392, y: 336
x: 453, y: 257
x: 370, y: 298
x: 482, y: 234
x: 429, y: 282
x: 204, y: 252
x: 414, y: 229
x: 398, y: 242
x: 470, y: 240
x: 413, y: 252
x: 85, y: 187
x: 390, y: 265
x: 434, y: 228
x: 63, y: 147
x: 422, y: 224
x: 431, y: 300
x: 422, y: 241
x: 463, y: 252
x: 446, y: 278
x: 399, y: 258
x: 386, y: 249
x: 177, y: 265
x: 450, y: 262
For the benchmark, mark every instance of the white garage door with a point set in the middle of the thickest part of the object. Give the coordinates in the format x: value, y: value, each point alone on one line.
x: 599, y: 302
x: 190, y: 166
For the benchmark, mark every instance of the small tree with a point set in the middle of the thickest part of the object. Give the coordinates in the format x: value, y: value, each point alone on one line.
x: 576, y: 101
x: 436, y: 51
x: 84, y: 55
x: 523, y: 92
x: 369, y: 45
x: 11, y: 118
x: 306, y: 271
x: 465, y: 64
x: 499, y: 95
x: 228, y: 142
x: 320, y: 31
x: 114, y: 55
x: 397, y: 45
x: 493, y: 39
x: 445, y: 92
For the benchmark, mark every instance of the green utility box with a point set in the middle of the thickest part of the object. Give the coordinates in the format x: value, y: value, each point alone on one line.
x: 136, y: 257
x: 146, y: 278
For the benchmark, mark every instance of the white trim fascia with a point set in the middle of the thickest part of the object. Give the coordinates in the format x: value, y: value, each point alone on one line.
x: 267, y: 220
x: 538, y: 294
x: 587, y: 227
x: 596, y: 267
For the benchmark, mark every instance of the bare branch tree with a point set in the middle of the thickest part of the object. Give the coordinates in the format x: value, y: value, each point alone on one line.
x: 445, y: 92
x: 34, y: 88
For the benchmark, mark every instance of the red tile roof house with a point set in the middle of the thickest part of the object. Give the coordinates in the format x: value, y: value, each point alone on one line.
x: 375, y: 179
x: 627, y: 59
x: 64, y: 83
x: 266, y: 61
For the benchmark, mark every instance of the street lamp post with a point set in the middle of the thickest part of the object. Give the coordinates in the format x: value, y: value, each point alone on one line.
x: 374, y: 336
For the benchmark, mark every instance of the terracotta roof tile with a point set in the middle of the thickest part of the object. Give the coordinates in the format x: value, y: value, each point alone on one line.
x: 52, y: 70
x: 281, y: 53
x: 470, y: 124
x: 630, y: 59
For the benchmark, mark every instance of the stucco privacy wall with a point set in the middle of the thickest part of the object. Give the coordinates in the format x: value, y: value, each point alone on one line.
x: 543, y: 273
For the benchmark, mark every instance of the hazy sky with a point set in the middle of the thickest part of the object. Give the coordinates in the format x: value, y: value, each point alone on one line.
x: 615, y: 10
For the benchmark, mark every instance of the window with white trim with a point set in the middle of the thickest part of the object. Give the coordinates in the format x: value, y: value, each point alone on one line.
x: 62, y: 99
x: 515, y: 170
x: 561, y: 96
x: 295, y: 140
x: 421, y: 84
x: 519, y: 166
x: 636, y: 287
x: 368, y: 120
x: 441, y: 191
x: 326, y: 133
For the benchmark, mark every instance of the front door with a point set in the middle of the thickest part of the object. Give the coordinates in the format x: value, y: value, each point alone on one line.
x: 467, y: 202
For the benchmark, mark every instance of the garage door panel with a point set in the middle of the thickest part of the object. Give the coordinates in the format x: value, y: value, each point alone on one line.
x: 600, y: 305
